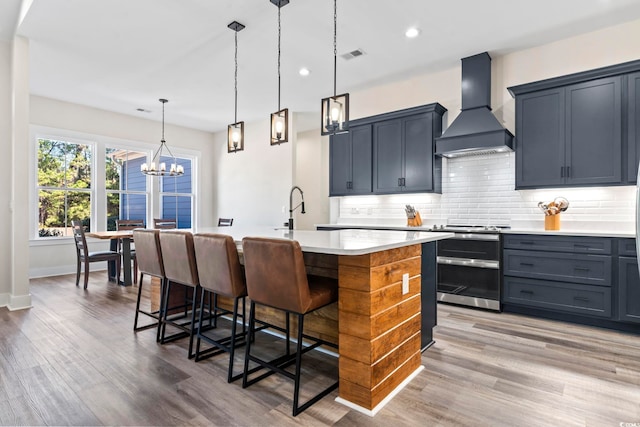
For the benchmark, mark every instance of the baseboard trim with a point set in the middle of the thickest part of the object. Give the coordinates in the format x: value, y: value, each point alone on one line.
x: 61, y: 270
x: 4, y: 300
x: 19, y: 302
x: 374, y: 411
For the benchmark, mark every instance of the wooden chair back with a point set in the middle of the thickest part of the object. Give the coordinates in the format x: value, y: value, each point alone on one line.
x: 129, y: 224
x: 164, y: 223
x: 79, y: 238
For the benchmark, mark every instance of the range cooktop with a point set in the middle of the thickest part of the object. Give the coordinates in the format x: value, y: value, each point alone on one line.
x: 471, y: 228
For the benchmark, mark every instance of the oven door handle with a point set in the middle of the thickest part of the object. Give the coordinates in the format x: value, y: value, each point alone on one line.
x: 476, y: 236
x: 468, y: 262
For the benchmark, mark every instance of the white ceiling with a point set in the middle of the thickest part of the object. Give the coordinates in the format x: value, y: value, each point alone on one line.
x: 120, y: 55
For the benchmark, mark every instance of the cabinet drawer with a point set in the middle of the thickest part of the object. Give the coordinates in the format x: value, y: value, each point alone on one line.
x: 568, y: 297
x: 574, y: 244
x: 627, y: 247
x: 566, y: 267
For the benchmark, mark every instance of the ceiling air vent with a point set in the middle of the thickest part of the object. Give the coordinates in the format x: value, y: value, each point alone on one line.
x: 352, y: 54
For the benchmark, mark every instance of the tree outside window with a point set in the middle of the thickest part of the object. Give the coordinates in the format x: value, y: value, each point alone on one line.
x: 64, y: 186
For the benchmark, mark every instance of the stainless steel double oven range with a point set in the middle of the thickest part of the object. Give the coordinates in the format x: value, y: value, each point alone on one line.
x: 469, y: 266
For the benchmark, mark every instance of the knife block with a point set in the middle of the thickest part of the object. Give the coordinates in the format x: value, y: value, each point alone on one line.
x: 416, y: 221
x: 552, y: 222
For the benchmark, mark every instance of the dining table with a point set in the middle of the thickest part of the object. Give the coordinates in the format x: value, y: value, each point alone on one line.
x: 126, y: 237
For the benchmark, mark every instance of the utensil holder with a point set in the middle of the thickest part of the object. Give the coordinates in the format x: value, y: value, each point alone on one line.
x: 416, y: 221
x: 552, y: 222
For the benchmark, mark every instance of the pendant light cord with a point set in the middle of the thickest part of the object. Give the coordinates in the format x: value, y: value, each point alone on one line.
x: 279, y: 35
x: 235, y: 116
x: 162, y: 140
x: 335, y: 44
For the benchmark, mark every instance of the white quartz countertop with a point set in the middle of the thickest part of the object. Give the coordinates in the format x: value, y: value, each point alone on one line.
x: 630, y: 234
x: 337, y: 242
x: 623, y: 233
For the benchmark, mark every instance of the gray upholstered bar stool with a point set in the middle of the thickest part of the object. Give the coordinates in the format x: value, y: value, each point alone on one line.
x: 179, y: 261
x: 220, y: 273
x: 276, y: 277
x: 149, y: 257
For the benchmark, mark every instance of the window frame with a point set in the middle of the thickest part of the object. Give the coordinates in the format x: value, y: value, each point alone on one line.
x: 98, y: 191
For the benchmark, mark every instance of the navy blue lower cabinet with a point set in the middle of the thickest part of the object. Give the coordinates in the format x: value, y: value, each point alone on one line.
x: 567, y: 297
x: 628, y: 290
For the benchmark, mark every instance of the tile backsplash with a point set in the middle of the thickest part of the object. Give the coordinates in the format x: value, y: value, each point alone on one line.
x: 480, y: 190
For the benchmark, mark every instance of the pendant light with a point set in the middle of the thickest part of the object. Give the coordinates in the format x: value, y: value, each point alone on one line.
x: 235, y: 131
x: 157, y: 166
x: 279, y: 119
x: 335, y: 109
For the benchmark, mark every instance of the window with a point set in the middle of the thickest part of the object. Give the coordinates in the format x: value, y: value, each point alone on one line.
x: 64, y: 186
x: 97, y: 179
x: 176, y: 194
x: 126, y: 187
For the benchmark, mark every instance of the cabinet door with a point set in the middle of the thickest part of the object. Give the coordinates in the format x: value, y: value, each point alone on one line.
x: 360, y: 159
x: 339, y: 164
x: 387, y: 156
x: 418, y: 149
x: 633, y: 126
x: 594, y: 132
x: 540, y: 138
x: 628, y: 290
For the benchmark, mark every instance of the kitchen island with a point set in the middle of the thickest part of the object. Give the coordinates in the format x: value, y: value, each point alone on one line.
x: 379, y: 307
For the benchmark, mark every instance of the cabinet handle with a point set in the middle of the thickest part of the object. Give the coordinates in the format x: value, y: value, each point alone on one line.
x: 577, y: 298
x: 528, y: 264
x: 399, y: 182
x: 404, y: 182
x: 349, y: 185
x: 561, y: 171
x: 581, y: 268
x: 568, y: 171
x: 526, y: 291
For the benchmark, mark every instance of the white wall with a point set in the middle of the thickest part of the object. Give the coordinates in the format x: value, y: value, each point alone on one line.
x: 312, y: 160
x: 254, y: 184
x: 609, y: 46
x: 5, y: 172
x: 48, y: 258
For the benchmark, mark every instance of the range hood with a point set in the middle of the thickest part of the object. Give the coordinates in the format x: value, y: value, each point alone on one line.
x: 476, y: 130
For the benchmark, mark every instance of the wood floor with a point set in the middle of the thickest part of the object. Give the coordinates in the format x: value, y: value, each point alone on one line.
x: 73, y: 359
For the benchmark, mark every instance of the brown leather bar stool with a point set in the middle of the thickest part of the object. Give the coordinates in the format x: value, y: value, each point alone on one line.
x: 276, y: 278
x: 149, y: 257
x: 178, y: 257
x: 220, y: 273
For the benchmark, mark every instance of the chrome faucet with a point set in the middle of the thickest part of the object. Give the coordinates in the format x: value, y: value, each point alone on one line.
x: 291, y: 208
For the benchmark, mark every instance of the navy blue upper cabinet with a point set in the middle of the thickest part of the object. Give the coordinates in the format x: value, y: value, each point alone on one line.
x: 581, y: 129
x: 403, y: 154
x: 388, y: 153
x: 570, y: 136
x: 540, y: 138
x: 593, y: 153
x: 633, y: 126
x: 350, y: 162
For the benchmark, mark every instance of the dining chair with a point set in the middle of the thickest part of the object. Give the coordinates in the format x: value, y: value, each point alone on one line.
x: 225, y: 222
x: 130, y: 224
x: 86, y: 257
x: 276, y: 277
x: 165, y: 223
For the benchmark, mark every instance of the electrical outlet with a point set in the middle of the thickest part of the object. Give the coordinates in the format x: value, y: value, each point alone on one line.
x: 405, y: 283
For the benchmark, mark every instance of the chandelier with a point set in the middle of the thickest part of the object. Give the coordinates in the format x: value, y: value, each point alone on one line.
x: 158, y: 167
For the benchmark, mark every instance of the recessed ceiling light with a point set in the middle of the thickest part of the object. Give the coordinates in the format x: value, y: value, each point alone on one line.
x: 412, y: 32
x: 142, y: 110
x: 304, y: 71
